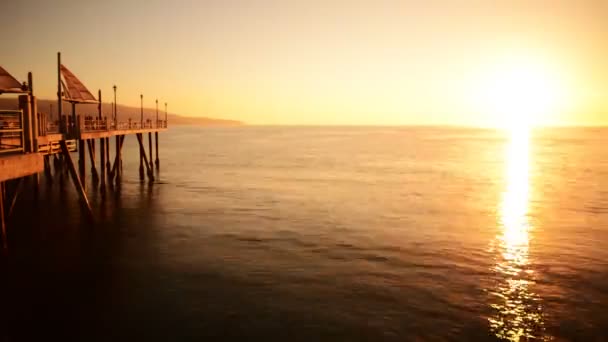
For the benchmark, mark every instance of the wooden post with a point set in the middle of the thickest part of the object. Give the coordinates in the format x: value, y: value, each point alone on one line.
x: 91, y: 145
x: 142, y: 153
x: 75, y: 129
x: 102, y: 163
x: 35, y: 127
x: 108, y: 166
x: 28, y: 140
x: 150, y: 146
x: 59, y: 94
x: 118, y: 158
x: 99, y: 104
x: 156, y: 142
x: 47, y: 169
x: 14, y: 199
x: 93, y: 151
x: 77, y: 182
x: 82, y: 160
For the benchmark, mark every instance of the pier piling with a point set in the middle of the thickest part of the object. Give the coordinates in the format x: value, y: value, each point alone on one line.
x: 77, y: 181
x: 108, y: 166
x: 156, y: 142
x: 117, y: 168
x: 142, y: 152
x: 91, y: 146
x: 102, y: 164
x: 82, y: 160
x: 150, y: 146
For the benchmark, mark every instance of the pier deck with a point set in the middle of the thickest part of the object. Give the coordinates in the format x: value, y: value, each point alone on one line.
x: 14, y: 166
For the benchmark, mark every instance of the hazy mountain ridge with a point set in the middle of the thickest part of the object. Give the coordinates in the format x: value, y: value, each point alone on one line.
x: 124, y: 112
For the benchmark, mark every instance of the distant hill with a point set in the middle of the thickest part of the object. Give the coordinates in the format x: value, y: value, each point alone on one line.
x: 124, y: 113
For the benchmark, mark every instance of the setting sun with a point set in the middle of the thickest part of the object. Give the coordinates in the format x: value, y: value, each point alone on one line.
x: 519, y: 94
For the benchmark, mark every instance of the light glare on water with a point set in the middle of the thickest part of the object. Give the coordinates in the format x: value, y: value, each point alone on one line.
x: 518, y: 311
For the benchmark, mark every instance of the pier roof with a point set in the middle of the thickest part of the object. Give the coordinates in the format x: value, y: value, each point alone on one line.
x: 9, y: 84
x: 74, y: 90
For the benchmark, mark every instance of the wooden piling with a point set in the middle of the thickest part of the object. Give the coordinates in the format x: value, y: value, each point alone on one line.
x: 120, y: 139
x: 91, y: 145
x: 102, y: 163
x: 142, y: 153
x: 82, y: 160
x: 25, y: 106
x: 118, y: 160
x: 77, y: 181
x: 93, y: 152
x: 47, y: 170
x: 150, y: 146
x: 13, y: 200
x: 156, y: 142
x: 108, y: 166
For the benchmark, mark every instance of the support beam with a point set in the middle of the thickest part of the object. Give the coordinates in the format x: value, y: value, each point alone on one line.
x: 82, y: 161
x: 142, y: 152
x: 25, y: 106
x: 93, y: 152
x: 108, y: 166
x: 150, y: 146
x: 156, y: 141
x: 91, y: 145
x: 102, y: 163
x: 77, y: 182
x: 47, y: 170
x: 120, y: 139
x: 117, y: 167
x: 13, y: 200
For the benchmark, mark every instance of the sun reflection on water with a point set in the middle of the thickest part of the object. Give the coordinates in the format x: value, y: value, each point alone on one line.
x: 516, y: 310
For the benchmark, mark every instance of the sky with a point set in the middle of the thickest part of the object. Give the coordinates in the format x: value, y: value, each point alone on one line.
x: 451, y: 62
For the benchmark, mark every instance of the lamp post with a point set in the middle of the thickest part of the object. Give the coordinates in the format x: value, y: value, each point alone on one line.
x: 166, y: 125
x: 141, y: 96
x: 115, y: 117
x: 156, y: 113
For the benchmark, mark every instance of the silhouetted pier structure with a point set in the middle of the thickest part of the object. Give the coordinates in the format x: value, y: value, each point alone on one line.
x: 30, y: 141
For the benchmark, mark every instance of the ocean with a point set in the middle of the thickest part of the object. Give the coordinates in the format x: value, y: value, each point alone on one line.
x: 323, y: 234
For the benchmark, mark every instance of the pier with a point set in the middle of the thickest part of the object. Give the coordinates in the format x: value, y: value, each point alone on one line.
x: 30, y: 141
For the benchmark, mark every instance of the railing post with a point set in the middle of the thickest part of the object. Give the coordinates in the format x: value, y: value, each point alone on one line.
x: 26, y: 123
x: 34, y: 116
x: 22, y: 131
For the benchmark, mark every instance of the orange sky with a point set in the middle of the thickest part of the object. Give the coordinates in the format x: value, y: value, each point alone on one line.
x: 319, y: 62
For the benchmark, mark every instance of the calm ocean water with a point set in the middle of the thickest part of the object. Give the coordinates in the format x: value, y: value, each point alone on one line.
x: 308, y: 234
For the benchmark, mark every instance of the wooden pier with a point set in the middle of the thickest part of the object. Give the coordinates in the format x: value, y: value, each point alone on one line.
x: 30, y: 141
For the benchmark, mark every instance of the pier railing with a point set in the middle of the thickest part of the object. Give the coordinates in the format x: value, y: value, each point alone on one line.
x: 90, y: 124
x: 11, y: 131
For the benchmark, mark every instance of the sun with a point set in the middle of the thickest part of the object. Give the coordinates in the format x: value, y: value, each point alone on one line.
x: 520, y: 94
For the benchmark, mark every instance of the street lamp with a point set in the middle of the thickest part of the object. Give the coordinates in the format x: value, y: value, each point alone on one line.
x: 166, y: 115
x: 114, y: 109
x: 142, y: 110
x: 156, y: 113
